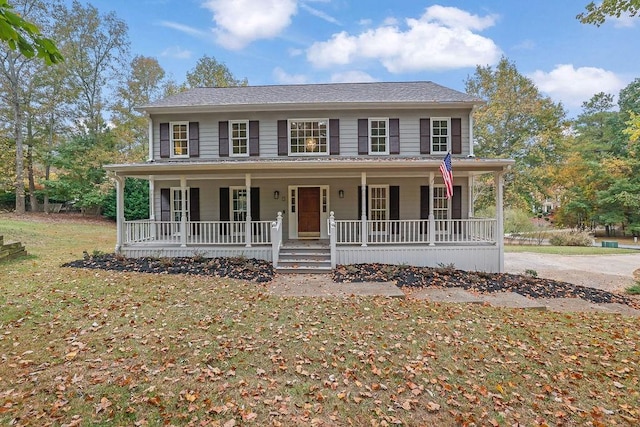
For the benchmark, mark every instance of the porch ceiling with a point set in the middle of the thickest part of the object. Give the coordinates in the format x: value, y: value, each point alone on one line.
x: 308, y: 167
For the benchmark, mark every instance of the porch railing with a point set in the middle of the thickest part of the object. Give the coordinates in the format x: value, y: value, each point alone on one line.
x: 198, y: 232
x: 416, y: 231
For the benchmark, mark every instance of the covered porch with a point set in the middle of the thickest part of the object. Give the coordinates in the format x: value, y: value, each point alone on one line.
x: 418, y: 236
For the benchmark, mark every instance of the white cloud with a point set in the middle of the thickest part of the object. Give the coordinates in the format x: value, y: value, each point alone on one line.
x: 283, y: 77
x: 352, y: 77
x: 573, y: 86
x: 183, y: 28
x: 240, y: 22
x: 625, y: 21
x: 442, y: 38
x: 176, y: 52
x: 320, y: 14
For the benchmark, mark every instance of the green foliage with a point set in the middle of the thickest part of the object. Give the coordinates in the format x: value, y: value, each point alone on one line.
x: 634, y: 290
x: 208, y: 72
x: 597, y: 13
x: 571, y: 239
x: 136, y: 201
x: 517, y: 221
x: 24, y: 36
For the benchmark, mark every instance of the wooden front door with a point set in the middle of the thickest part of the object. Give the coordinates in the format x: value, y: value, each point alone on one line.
x: 309, y: 211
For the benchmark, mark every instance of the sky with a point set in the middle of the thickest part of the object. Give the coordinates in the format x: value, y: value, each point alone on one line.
x: 319, y: 41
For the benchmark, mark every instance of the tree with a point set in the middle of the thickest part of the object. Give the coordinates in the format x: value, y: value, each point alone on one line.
x: 20, y: 34
x: 208, y: 72
x: 597, y: 13
x: 141, y: 85
x: 95, y: 48
x: 518, y: 122
x: 19, y: 77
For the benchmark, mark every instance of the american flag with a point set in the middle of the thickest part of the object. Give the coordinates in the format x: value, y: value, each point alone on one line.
x: 447, y: 174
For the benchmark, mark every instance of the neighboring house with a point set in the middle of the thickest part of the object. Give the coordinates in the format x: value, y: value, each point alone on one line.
x: 254, y: 171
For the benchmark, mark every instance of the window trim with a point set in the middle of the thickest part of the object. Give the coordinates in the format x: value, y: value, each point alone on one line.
x: 432, y: 136
x: 172, y: 141
x: 386, y: 137
x: 232, y: 190
x: 327, y: 137
x: 231, y: 153
x: 172, y: 198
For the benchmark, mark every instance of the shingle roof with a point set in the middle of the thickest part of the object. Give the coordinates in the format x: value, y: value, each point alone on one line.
x: 329, y: 93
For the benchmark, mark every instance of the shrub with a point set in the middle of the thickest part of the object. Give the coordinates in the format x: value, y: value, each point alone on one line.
x: 571, y: 239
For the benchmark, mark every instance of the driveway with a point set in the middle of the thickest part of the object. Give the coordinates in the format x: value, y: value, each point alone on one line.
x: 609, y: 272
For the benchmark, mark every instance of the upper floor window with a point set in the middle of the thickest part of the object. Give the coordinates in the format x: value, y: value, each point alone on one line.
x: 308, y: 137
x: 440, y: 135
x: 378, y: 136
x: 239, y: 132
x: 179, y: 139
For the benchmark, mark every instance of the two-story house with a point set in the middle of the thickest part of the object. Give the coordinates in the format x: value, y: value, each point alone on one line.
x: 352, y: 168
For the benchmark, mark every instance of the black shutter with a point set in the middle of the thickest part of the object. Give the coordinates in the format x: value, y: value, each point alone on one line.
x: 194, y: 209
x: 394, y: 207
x: 254, y: 138
x: 425, y: 136
x: 194, y: 139
x: 283, y: 140
x: 456, y: 202
x: 194, y: 204
x: 363, y: 136
x: 424, y: 207
x: 360, y: 201
x: 165, y: 204
x: 224, y: 210
x: 255, y: 210
x: 456, y: 136
x: 165, y: 144
x: 255, y: 203
x: 394, y: 136
x: 334, y: 136
x: 223, y: 139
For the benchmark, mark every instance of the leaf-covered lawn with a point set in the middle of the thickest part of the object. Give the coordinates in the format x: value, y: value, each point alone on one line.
x: 94, y: 347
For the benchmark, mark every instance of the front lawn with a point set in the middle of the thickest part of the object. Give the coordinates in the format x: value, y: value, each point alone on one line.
x: 95, y: 347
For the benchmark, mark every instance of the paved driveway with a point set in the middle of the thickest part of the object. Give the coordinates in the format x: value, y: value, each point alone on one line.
x: 608, y: 272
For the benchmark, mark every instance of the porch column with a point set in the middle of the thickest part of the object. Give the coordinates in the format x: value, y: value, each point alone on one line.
x: 470, y: 195
x: 432, y: 218
x: 119, y: 212
x: 152, y: 206
x: 471, y: 131
x: 247, y: 231
x: 150, y: 122
x: 183, y: 211
x: 363, y: 208
x: 499, y: 183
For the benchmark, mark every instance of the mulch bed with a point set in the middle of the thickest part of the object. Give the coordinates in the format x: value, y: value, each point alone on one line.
x: 480, y: 282
x: 261, y: 271
x: 250, y: 269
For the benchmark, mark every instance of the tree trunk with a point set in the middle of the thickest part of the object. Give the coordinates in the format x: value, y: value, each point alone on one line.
x: 33, y: 200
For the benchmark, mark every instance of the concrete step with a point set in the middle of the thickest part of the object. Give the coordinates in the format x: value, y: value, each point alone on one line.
x: 305, y: 256
x: 287, y: 269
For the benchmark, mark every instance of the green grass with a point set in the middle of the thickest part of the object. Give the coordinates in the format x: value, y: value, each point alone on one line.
x: 569, y: 250
x: 634, y: 290
x: 105, y: 348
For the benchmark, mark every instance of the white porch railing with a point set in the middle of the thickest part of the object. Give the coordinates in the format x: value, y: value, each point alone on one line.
x: 198, y: 232
x: 416, y: 231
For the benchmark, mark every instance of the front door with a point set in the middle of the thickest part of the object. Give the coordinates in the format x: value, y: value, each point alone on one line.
x: 309, y: 212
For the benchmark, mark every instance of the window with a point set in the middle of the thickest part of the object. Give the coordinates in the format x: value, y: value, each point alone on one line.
x: 176, y: 204
x: 378, y: 136
x: 238, y: 204
x: 378, y: 207
x: 180, y: 139
x: 239, y: 132
x: 308, y: 137
x: 440, y: 203
x: 440, y: 135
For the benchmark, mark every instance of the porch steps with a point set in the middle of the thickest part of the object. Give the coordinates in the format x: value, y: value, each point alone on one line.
x: 304, y: 257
